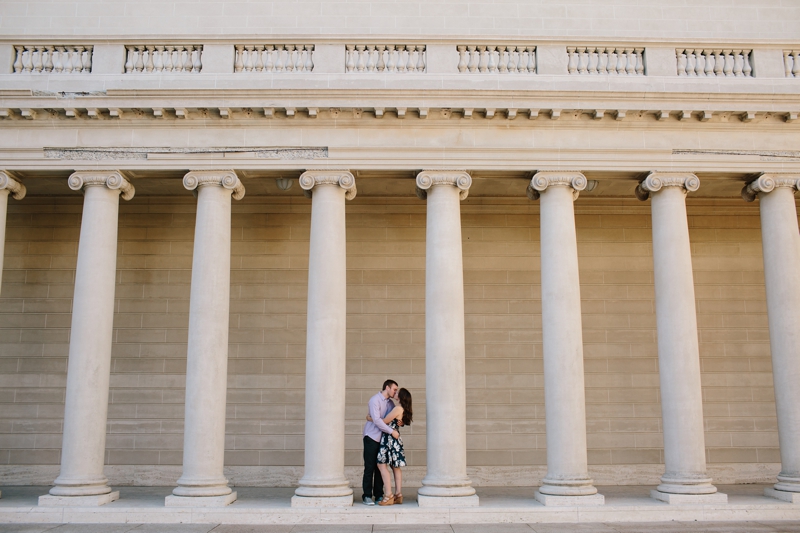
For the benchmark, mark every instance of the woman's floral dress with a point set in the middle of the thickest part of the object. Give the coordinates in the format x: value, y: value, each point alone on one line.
x: 391, y: 450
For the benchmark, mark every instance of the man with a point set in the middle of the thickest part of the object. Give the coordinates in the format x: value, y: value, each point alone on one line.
x: 379, y: 406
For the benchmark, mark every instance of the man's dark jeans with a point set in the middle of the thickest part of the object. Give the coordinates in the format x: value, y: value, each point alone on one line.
x: 372, y: 482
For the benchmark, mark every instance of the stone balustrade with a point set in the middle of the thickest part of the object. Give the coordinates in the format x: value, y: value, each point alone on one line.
x: 625, y: 61
x: 497, y: 59
x: 791, y: 63
x: 52, y: 59
x: 712, y: 62
x: 274, y: 58
x: 385, y: 58
x: 145, y: 59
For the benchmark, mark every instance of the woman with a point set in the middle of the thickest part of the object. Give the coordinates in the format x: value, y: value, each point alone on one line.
x: 391, y: 453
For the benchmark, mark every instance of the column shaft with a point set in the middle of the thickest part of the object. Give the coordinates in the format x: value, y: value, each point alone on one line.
x: 8, y: 187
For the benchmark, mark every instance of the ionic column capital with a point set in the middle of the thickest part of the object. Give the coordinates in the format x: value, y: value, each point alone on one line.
x: 657, y: 181
x: 768, y: 182
x: 113, y: 179
x: 226, y: 179
x: 15, y: 188
x: 455, y: 178
x: 343, y: 178
x: 556, y: 178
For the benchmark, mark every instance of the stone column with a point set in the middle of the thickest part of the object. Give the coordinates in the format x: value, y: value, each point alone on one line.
x: 82, y: 481
x: 781, y: 246
x: 685, y: 479
x: 567, y: 481
x: 8, y: 186
x: 445, y: 482
x: 202, y: 483
x: 323, y: 483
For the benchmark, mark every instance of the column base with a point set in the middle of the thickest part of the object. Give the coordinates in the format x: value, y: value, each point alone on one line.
x: 569, y: 501
x: 717, y: 497
x: 791, y: 497
x: 48, y: 500
x: 448, y: 501
x: 199, y: 501
x: 322, y: 501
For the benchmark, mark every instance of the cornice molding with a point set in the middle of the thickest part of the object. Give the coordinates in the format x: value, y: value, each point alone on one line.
x: 556, y: 178
x: 16, y: 189
x: 456, y: 178
x: 768, y: 182
x: 221, y: 178
x: 113, y: 179
x: 657, y: 181
x: 343, y: 178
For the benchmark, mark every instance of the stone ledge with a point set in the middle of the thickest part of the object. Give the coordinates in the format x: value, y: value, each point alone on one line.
x: 717, y: 497
x: 199, y: 501
x: 791, y: 497
x: 569, y: 501
x: 48, y: 500
x: 448, y: 502
x: 316, y: 502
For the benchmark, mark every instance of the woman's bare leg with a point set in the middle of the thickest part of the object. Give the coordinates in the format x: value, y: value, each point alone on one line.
x: 398, y: 481
x: 387, y: 479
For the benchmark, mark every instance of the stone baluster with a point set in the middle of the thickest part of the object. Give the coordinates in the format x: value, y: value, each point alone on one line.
x: 81, y: 481
x: 8, y: 187
x: 796, y: 63
x: 371, y: 63
x: 630, y: 62
x: 138, y: 65
x: 685, y: 479
x: 708, y: 67
x: 269, y: 63
x: 463, y: 62
x: 531, y: 58
x: 747, y: 68
x: 309, y: 58
x: 238, y: 62
x: 491, y: 65
x: 474, y: 59
x: 445, y: 483
x: 719, y: 63
x: 781, y: 248
x: 149, y: 65
x: 197, y: 65
x: 381, y: 66
x: 682, y: 62
x: 622, y: 58
x: 502, y: 59
x: 582, y: 61
x: 591, y: 67
x: 360, y: 64
x: 738, y: 63
x: 391, y: 65
x: 19, y: 52
x: 202, y: 483
x: 567, y: 481
x: 727, y: 69
x: 323, y: 483
x: 699, y: 62
x: 421, y: 63
x: 27, y: 62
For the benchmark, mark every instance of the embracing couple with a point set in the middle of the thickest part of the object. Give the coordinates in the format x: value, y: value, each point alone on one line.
x: 383, y: 447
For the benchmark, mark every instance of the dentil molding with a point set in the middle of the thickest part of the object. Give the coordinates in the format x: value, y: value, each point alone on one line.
x: 343, y: 178
x: 222, y: 178
x: 556, y: 178
x: 15, y: 189
x: 656, y: 181
x: 113, y: 179
x: 769, y: 182
x: 456, y: 178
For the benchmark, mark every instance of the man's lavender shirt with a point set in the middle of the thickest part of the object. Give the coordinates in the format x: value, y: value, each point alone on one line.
x: 379, y: 407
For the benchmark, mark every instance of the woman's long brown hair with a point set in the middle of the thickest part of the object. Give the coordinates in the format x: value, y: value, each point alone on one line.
x: 405, y: 402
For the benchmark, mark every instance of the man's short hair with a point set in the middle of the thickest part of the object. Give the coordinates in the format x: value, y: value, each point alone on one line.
x: 388, y: 383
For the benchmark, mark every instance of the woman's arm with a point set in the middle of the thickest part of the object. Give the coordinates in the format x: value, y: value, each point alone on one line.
x: 397, y: 412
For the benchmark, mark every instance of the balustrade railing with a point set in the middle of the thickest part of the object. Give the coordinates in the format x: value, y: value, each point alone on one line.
x: 52, y: 59
x: 497, y: 59
x: 712, y: 62
x: 791, y: 63
x: 149, y: 58
x: 623, y: 61
x: 385, y: 58
x: 274, y: 58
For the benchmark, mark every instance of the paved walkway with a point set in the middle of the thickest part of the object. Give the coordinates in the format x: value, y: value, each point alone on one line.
x: 652, y: 527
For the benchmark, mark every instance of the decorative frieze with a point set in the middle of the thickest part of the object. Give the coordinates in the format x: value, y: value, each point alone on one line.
x: 112, y: 179
x: 274, y: 58
x: 768, y: 183
x: 555, y: 178
x: 343, y: 178
x: 710, y: 62
x: 658, y: 180
x: 145, y: 59
x: 496, y: 59
x: 52, y: 59
x: 456, y: 178
x: 398, y: 58
x: 791, y: 63
x: 15, y: 189
x: 626, y: 61
x: 222, y: 178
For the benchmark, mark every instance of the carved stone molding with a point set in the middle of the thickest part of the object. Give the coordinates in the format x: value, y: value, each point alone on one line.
x: 343, y: 178
x: 656, y: 181
x: 221, y: 178
x: 556, y: 178
x: 15, y: 189
x: 456, y: 178
x: 769, y: 182
x: 112, y: 179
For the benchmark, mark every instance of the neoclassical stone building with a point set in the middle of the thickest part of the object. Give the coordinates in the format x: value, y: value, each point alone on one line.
x: 568, y: 229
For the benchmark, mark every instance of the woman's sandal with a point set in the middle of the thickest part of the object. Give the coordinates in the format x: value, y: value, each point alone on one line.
x: 387, y: 500
x: 398, y: 499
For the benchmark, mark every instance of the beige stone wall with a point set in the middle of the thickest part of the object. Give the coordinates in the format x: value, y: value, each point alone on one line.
x: 386, y: 275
